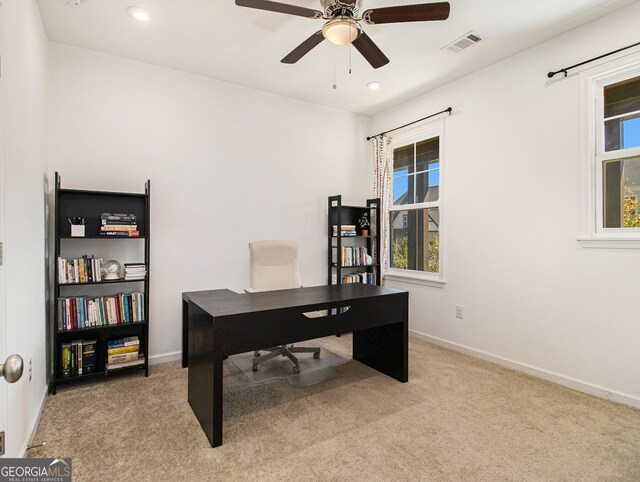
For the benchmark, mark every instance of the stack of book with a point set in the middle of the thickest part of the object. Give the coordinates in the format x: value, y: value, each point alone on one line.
x: 78, y: 358
x: 86, y: 312
x: 119, y: 224
x: 124, y: 352
x: 80, y: 270
x: 134, y: 271
x: 345, y: 230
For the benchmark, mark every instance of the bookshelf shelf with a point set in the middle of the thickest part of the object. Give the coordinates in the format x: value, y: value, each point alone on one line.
x: 111, y: 299
x: 334, y: 265
x: 119, y: 238
x: 78, y: 331
x: 349, y: 237
x: 75, y: 378
x: 340, y: 247
x: 103, y: 282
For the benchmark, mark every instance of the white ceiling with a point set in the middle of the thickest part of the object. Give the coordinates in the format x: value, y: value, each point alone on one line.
x: 217, y: 39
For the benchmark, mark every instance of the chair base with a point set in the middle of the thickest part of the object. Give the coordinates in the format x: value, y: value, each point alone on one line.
x: 284, y: 350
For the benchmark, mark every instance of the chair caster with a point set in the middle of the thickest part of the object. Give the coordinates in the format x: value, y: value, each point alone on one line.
x: 296, y: 370
x: 256, y: 368
x: 316, y: 355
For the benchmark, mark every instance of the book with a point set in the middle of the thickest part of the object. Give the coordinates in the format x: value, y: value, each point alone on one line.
x: 122, y: 357
x: 130, y: 234
x: 89, y: 356
x: 128, y: 341
x: 118, y: 222
x: 117, y: 217
x: 123, y: 349
x: 120, y: 227
x: 132, y: 363
x: 66, y: 359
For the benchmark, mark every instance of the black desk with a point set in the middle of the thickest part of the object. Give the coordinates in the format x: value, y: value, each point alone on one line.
x: 220, y: 323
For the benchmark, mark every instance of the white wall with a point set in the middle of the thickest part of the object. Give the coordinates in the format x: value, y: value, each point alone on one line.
x: 511, y: 213
x: 24, y: 72
x: 227, y: 165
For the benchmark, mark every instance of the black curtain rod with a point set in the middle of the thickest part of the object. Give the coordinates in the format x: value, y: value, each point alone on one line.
x: 448, y: 109
x: 551, y: 74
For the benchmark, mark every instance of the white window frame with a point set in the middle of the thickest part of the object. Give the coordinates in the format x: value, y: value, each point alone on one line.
x: 593, y: 154
x: 412, y: 136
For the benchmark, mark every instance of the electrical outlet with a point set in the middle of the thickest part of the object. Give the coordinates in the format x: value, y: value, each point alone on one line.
x: 30, y: 370
x: 459, y: 311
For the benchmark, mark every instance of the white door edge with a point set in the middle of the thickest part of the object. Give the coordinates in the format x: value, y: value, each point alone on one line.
x: 3, y: 306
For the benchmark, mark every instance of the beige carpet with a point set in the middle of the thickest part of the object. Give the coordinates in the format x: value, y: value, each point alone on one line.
x: 458, y: 418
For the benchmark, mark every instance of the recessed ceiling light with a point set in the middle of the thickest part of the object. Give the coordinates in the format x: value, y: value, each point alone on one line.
x: 139, y: 13
x: 374, y: 85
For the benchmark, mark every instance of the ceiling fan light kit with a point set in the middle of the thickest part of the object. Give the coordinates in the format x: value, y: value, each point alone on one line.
x: 341, y: 31
x: 343, y: 23
x: 139, y: 13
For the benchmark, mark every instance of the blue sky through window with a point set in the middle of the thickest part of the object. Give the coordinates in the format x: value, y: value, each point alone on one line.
x: 400, y: 180
x: 631, y: 133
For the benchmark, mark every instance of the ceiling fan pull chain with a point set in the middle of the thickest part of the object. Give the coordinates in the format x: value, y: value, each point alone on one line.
x: 335, y: 86
x: 350, y: 49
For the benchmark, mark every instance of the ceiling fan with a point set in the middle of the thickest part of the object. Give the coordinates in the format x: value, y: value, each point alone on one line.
x: 343, y: 23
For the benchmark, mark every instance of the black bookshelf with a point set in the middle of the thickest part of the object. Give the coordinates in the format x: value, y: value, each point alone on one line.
x: 340, y: 215
x: 90, y: 205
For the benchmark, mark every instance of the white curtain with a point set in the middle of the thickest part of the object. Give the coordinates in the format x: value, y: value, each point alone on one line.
x: 382, y: 190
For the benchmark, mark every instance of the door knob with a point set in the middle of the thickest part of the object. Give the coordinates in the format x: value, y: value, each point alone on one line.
x: 12, y: 368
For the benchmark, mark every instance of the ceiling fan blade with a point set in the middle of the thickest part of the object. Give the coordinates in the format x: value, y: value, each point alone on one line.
x: 370, y: 51
x: 408, y: 13
x: 304, y: 48
x: 280, y: 8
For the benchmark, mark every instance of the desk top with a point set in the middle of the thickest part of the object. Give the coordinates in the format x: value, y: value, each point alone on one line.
x: 226, y: 302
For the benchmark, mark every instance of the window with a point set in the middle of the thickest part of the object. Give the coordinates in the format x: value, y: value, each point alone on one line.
x: 612, y: 155
x: 617, y: 156
x: 414, y: 217
x: 618, y: 159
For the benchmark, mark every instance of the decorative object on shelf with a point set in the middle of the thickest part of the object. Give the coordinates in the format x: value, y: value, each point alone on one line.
x: 77, y: 227
x: 363, y: 222
x: 111, y: 270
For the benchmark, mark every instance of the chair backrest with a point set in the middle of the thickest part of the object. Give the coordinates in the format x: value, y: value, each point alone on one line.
x: 274, y: 265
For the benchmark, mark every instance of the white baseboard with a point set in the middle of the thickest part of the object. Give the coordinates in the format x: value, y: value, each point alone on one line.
x: 165, y: 357
x: 558, y: 378
x: 33, y: 428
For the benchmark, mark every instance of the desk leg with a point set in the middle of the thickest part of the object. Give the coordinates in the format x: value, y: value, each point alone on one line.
x: 185, y: 334
x: 385, y: 348
x: 205, y: 375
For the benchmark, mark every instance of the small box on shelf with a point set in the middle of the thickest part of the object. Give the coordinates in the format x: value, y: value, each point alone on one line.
x: 77, y: 230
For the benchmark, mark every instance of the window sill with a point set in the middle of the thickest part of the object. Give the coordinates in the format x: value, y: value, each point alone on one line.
x: 609, y: 242
x: 414, y: 277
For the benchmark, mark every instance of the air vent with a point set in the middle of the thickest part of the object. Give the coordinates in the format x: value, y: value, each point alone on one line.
x: 467, y: 40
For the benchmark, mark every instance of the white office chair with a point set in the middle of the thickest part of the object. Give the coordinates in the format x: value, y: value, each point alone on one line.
x: 274, y: 266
